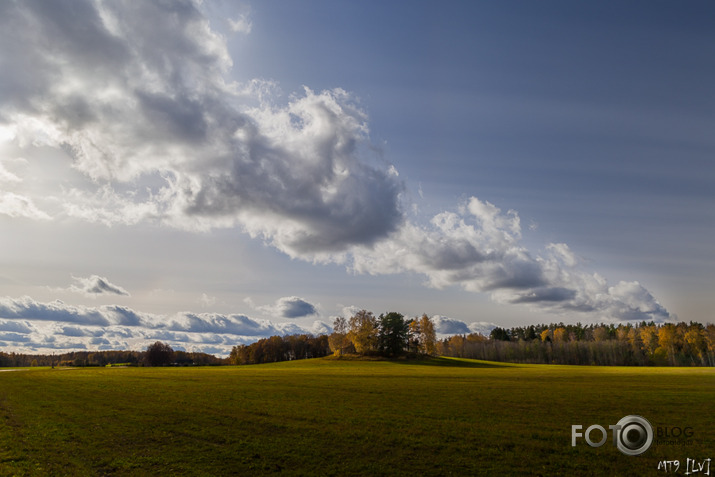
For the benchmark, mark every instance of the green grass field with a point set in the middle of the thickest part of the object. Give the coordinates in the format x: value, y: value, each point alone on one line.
x: 330, y: 417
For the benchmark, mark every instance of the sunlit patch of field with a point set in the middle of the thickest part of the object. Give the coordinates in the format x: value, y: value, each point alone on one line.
x: 333, y: 417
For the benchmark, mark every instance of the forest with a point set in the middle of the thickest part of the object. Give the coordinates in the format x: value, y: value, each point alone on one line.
x: 643, y: 344
x: 391, y: 335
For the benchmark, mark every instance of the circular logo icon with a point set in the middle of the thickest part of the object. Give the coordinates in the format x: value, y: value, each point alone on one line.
x: 634, y: 436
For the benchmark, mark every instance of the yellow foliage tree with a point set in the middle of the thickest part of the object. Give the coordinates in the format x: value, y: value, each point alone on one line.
x: 710, y: 337
x: 694, y: 337
x: 560, y: 335
x: 649, y: 337
x: 428, y: 336
x: 668, y: 339
x: 338, y: 339
x: 363, y: 332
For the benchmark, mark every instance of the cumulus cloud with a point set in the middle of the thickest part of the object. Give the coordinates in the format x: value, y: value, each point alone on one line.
x: 77, y: 331
x: 481, y: 327
x: 15, y: 326
x: 139, y: 98
x: 293, y: 307
x: 285, y: 307
x: 479, y: 248
x: 321, y: 328
x: 14, y: 337
x: 30, y: 325
x: 96, y: 285
x: 28, y: 309
x: 217, y: 323
x: 448, y: 326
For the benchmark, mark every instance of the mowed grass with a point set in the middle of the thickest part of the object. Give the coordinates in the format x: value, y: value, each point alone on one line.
x: 331, y: 417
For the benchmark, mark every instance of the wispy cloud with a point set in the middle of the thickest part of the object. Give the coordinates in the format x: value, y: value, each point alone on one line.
x: 95, y: 285
x: 242, y: 24
x: 8, y: 176
x: 207, y: 300
x: 16, y: 205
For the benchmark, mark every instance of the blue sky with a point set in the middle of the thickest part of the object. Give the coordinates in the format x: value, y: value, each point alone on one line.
x: 208, y: 174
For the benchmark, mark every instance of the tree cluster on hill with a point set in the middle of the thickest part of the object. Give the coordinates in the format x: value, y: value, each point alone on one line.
x: 390, y: 335
x: 644, y: 344
x: 280, y: 348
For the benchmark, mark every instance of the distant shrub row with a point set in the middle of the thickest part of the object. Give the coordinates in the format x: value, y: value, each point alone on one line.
x: 104, y: 358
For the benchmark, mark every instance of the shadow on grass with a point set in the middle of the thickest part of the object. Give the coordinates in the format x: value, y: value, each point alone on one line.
x: 452, y: 363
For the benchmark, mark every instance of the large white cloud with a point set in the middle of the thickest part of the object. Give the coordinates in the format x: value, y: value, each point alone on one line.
x: 139, y: 98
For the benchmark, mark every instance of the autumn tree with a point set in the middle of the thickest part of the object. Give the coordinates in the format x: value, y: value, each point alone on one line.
x: 363, y: 332
x: 338, y: 339
x: 428, y: 336
x: 694, y: 338
x: 709, y: 334
x: 622, y: 333
x: 634, y: 340
x: 413, y: 339
x: 649, y: 338
x: 667, y: 340
x: 560, y: 334
x: 600, y: 333
x: 455, y: 346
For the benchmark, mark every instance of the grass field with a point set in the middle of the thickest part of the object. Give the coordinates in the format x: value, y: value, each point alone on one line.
x: 330, y: 417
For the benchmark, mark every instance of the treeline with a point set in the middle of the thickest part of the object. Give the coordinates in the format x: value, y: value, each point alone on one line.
x: 280, y: 348
x: 392, y: 335
x: 644, y: 344
x: 104, y: 358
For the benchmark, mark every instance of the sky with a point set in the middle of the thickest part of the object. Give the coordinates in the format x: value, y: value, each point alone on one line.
x: 210, y: 173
